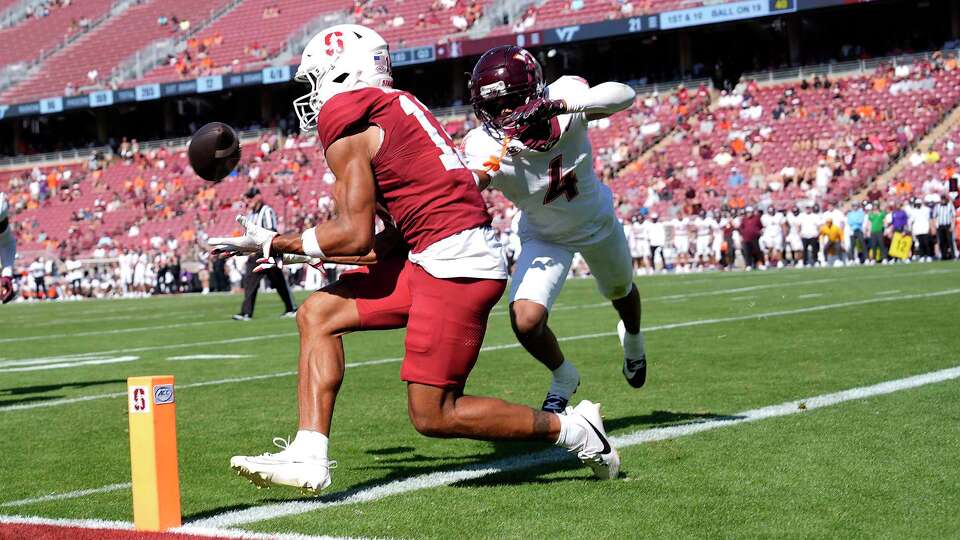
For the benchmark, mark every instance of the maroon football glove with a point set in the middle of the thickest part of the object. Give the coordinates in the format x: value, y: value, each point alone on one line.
x: 6, y: 289
x: 534, y: 112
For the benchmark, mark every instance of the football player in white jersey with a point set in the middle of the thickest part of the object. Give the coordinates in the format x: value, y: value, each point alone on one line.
x: 681, y: 241
x: 639, y: 243
x: 794, y: 242
x: 705, y: 226
x: 771, y: 241
x: 533, y: 146
x: 8, y: 251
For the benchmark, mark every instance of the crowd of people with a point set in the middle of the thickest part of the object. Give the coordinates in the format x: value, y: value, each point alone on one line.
x: 855, y: 233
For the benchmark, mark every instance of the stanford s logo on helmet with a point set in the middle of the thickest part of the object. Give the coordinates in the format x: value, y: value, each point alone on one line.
x: 504, y: 79
x: 339, y: 59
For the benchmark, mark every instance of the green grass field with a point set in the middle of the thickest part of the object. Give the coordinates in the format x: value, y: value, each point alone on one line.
x: 718, y: 344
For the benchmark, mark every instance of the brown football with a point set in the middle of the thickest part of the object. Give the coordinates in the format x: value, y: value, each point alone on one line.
x: 214, y: 150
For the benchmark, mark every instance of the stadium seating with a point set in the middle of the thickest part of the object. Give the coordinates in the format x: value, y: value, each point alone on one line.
x: 110, y: 44
x: 927, y: 173
x: 244, y: 38
x: 853, y: 133
x: 423, y: 21
x: 31, y: 37
x: 290, y: 173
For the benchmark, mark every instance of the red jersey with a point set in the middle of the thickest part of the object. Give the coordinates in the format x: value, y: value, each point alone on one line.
x: 421, y: 179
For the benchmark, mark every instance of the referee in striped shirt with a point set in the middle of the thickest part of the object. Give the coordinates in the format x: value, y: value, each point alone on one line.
x: 264, y: 216
x: 944, y: 216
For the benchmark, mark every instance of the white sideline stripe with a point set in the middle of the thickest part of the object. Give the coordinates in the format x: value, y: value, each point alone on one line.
x: 68, y: 495
x: 114, y: 331
x: 62, y: 365
x: 811, y: 295
x: 888, y: 293
x: 210, y: 356
x: 188, y: 530
x: 668, y: 326
x: 444, y: 478
x: 97, y: 320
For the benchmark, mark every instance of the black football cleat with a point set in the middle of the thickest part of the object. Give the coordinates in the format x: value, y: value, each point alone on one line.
x: 635, y: 371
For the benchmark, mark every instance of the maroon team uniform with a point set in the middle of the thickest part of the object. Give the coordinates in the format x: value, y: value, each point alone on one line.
x: 445, y: 318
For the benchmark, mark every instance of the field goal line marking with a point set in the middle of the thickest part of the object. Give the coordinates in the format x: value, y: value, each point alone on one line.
x: 526, y: 461
x: 488, y: 348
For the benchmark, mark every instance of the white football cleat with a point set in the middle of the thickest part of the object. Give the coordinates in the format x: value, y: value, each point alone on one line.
x: 285, y: 468
x: 592, y: 447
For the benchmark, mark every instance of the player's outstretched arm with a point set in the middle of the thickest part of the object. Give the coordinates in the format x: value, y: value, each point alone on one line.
x: 602, y: 100
x: 350, y: 234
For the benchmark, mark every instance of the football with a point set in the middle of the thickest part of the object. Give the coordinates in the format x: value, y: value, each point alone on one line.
x: 214, y: 150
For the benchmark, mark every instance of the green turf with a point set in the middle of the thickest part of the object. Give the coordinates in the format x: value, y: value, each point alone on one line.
x: 884, y: 466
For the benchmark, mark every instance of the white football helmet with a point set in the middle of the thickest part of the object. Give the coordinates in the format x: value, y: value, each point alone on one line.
x: 341, y: 58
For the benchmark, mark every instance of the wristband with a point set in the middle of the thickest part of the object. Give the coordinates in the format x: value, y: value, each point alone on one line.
x: 309, y: 243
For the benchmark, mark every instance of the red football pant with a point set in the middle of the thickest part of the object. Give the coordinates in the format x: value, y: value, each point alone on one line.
x: 446, y: 319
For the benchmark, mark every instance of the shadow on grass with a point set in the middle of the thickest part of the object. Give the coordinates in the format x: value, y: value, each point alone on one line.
x: 41, y: 388
x: 517, y: 463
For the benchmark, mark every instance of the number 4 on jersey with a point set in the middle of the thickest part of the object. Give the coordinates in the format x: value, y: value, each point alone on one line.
x: 560, y: 184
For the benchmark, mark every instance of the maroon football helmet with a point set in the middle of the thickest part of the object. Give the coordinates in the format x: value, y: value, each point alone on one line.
x: 503, y: 79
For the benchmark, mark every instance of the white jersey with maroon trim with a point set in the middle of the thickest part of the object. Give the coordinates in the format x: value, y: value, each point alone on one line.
x: 558, y: 192
x: 8, y: 243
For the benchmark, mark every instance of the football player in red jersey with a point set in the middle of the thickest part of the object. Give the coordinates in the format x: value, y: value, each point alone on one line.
x: 437, y: 269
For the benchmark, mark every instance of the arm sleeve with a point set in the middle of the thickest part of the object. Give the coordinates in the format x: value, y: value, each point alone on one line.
x: 602, y: 100
x: 8, y: 252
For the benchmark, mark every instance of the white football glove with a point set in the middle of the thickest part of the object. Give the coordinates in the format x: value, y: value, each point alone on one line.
x: 255, y: 239
x: 267, y: 263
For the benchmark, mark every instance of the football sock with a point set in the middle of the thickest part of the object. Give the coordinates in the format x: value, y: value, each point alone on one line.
x: 633, y: 345
x: 311, y: 443
x: 571, y: 433
x: 566, y: 378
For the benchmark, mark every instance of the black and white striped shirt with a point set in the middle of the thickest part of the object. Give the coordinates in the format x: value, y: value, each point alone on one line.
x: 944, y: 215
x: 265, y: 218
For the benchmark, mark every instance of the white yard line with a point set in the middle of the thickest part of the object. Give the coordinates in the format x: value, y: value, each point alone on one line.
x: 210, y: 357
x: 72, y: 363
x: 68, y: 495
x: 668, y: 326
x: 115, y: 331
x: 811, y: 295
x: 888, y: 293
x: 526, y: 461
x: 187, y: 531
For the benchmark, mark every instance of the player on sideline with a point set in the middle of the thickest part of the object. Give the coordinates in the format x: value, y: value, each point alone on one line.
x: 533, y: 146
x: 8, y: 251
x: 392, y: 158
